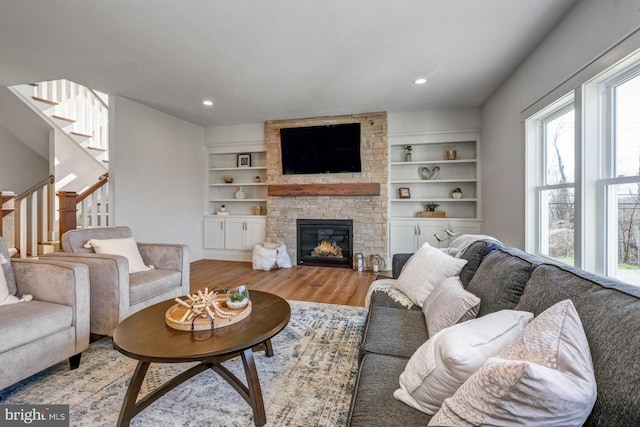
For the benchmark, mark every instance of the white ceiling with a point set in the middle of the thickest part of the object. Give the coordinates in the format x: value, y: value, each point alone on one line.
x: 277, y: 59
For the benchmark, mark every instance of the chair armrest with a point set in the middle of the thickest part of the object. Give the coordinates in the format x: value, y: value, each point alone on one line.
x: 165, y: 256
x: 61, y: 283
x: 397, y: 262
x: 168, y: 256
x: 51, y: 281
x: 108, y: 277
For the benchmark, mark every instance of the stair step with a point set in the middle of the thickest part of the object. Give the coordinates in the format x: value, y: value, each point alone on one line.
x: 62, y: 119
x: 95, y: 148
x: 44, y: 101
x: 81, y: 135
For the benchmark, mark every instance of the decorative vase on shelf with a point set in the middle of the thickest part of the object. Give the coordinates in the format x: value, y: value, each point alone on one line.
x: 457, y: 193
x: 407, y: 153
x: 240, y: 194
x: 228, y: 179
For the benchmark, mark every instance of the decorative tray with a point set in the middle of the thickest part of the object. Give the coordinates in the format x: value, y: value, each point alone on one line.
x: 207, y: 310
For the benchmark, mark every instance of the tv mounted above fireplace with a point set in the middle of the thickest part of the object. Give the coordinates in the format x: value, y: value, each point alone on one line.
x: 321, y: 149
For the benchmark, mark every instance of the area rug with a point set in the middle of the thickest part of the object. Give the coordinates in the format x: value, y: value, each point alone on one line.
x: 308, y: 382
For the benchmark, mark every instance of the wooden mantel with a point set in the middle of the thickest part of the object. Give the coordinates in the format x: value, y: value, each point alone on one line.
x: 342, y: 189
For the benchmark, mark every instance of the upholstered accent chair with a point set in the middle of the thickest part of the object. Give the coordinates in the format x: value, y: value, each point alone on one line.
x: 116, y: 292
x: 50, y: 328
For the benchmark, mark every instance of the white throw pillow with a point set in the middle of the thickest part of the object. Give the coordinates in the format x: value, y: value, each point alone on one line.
x: 283, y: 260
x: 449, y: 303
x: 424, y: 270
x: 126, y: 247
x: 4, y: 287
x: 545, y: 378
x: 446, y: 360
x: 264, y: 258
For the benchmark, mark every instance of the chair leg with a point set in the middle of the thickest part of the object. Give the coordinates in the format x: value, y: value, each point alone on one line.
x: 74, y: 361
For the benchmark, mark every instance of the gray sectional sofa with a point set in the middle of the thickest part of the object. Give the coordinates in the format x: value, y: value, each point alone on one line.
x: 507, y: 278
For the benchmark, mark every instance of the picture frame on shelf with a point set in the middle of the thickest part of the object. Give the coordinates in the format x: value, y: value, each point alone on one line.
x: 244, y: 160
x: 404, y: 192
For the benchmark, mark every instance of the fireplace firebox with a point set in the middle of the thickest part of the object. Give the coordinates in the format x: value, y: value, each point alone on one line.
x: 325, y: 242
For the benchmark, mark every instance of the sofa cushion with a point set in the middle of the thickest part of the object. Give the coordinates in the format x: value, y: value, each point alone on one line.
x: 424, y: 270
x: 394, y: 331
x: 544, y: 378
x: 609, y: 312
x: 501, y: 278
x: 474, y: 255
x: 385, y: 300
x: 446, y: 360
x: 26, y: 322
x: 372, y: 404
x: 148, y: 284
x: 449, y: 304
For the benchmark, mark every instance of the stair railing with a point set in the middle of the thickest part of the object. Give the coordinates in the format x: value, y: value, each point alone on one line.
x: 87, y: 209
x: 34, y: 217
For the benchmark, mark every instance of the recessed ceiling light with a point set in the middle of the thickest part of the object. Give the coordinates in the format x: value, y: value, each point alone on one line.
x: 207, y: 103
x: 420, y: 81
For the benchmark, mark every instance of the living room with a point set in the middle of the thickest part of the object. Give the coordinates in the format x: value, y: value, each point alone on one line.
x: 158, y: 160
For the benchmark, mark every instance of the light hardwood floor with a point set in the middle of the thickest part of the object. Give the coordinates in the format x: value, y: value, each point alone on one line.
x: 303, y: 283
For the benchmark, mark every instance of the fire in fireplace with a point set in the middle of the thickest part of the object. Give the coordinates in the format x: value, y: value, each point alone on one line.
x: 325, y: 242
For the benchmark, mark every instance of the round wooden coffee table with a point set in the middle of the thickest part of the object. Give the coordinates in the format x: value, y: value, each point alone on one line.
x: 144, y: 336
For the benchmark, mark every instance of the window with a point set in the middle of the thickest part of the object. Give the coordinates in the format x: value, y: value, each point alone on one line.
x: 621, y: 184
x: 583, y: 175
x: 554, y: 189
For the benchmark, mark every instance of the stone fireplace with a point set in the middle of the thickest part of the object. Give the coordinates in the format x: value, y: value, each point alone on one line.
x: 324, y: 242
x: 344, y: 198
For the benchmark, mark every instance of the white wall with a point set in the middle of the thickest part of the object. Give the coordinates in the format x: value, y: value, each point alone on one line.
x: 592, y: 28
x: 157, y: 174
x: 20, y: 166
x: 434, y: 120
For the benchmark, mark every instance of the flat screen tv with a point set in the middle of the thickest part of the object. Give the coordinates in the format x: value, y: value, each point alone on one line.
x: 321, y: 149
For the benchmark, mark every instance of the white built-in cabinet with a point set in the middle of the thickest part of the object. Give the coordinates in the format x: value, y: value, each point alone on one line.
x: 407, y: 230
x: 233, y: 236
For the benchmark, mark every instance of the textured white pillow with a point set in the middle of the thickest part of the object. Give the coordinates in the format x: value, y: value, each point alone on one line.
x: 545, y: 378
x: 264, y: 258
x: 449, y: 303
x: 424, y: 270
x: 126, y: 247
x: 446, y: 360
x: 4, y: 287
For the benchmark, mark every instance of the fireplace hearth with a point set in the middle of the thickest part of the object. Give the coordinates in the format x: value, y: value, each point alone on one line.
x: 325, y: 242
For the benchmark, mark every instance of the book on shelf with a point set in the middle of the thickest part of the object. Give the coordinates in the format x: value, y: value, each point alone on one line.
x: 222, y: 213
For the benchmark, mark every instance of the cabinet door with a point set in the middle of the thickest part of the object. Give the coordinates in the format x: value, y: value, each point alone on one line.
x: 255, y: 233
x: 427, y: 232
x: 234, y: 233
x: 214, y: 233
x: 402, y: 237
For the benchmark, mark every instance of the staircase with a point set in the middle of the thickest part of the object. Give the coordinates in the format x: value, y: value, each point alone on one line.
x: 80, y: 112
x: 79, y: 119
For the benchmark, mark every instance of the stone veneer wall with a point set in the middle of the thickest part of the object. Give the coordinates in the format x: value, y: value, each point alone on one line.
x: 369, y: 213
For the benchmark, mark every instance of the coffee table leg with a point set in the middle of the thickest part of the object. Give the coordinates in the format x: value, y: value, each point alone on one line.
x: 129, y: 404
x: 255, y: 392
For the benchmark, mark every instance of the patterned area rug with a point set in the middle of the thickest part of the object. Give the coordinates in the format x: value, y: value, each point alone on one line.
x: 308, y: 382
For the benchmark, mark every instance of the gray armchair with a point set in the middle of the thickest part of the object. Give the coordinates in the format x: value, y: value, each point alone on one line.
x: 52, y: 327
x: 116, y: 294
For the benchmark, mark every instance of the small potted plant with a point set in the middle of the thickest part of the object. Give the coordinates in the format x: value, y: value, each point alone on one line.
x: 223, y: 207
x: 431, y: 207
x: 407, y: 153
x: 457, y: 193
x: 237, y: 298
